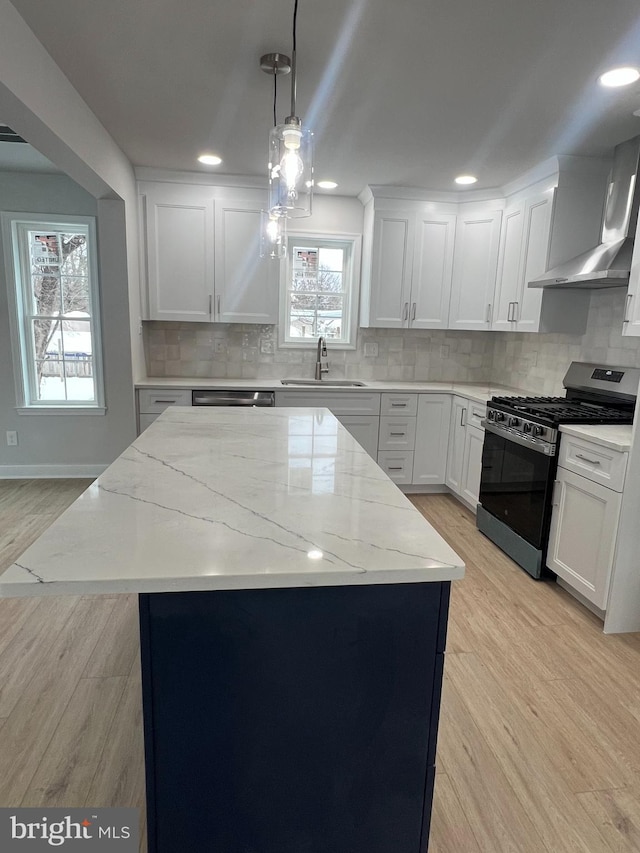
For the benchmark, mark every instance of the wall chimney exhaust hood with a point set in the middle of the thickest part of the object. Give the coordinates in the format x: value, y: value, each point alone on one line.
x: 608, y: 264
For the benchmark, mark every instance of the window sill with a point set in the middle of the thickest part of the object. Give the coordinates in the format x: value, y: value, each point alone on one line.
x: 61, y: 410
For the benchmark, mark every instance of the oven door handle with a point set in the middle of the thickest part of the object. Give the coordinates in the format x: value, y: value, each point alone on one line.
x: 529, y: 443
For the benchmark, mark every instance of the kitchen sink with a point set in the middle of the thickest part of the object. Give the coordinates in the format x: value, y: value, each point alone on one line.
x: 329, y: 383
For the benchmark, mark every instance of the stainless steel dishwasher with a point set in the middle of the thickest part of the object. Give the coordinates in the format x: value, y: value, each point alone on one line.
x: 233, y: 398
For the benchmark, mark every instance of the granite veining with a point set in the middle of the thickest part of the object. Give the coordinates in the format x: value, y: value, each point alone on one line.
x: 235, y: 498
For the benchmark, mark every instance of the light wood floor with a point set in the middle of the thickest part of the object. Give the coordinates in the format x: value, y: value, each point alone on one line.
x: 539, y: 743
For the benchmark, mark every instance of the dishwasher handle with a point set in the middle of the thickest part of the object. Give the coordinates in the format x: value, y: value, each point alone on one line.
x: 233, y: 398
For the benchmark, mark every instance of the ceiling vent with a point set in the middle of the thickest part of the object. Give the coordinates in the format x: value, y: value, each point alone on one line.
x: 8, y: 135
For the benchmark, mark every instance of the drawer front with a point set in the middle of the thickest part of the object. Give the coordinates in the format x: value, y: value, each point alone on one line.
x: 398, y: 404
x: 154, y: 400
x: 600, y: 464
x: 476, y: 413
x: 338, y: 402
x: 397, y: 433
x: 398, y: 466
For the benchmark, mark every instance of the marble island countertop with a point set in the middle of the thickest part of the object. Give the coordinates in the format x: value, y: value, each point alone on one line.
x: 235, y: 499
x: 478, y: 392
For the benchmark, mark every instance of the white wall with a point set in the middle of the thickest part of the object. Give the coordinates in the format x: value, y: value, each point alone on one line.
x: 76, y: 440
x: 37, y: 100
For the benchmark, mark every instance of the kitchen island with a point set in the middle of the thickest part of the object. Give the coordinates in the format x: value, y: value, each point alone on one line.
x: 293, y: 616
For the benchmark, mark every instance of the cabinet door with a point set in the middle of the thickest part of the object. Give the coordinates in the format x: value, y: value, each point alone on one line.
x: 584, y: 525
x: 391, y: 268
x: 180, y: 252
x: 455, y: 453
x: 631, y: 323
x: 432, y: 271
x: 535, y: 254
x: 246, y: 284
x: 432, y: 439
x: 474, y: 269
x: 508, y: 282
x: 472, y: 465
x: 364, y: 428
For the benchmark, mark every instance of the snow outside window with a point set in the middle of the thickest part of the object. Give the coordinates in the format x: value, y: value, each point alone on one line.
x: 55, y: 302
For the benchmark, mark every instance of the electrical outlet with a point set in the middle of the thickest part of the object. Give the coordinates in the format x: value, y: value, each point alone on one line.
x: 12, y: 438
x: 371, y: 349
x: 444, y: 351
x: 219, y: 346
x: 267, y: 346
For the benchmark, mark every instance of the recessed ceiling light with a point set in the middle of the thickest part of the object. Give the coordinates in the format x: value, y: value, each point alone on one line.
x: 466, y: 179
x: 327, y: 185
x: 210, y: 159
x: 619, y: 77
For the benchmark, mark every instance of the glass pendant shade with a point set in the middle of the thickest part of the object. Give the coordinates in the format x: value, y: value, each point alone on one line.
x: 290, y: 170
x: 273, y: 236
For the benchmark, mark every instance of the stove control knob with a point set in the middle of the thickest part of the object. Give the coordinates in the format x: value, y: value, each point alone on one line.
x: 526, y: 428
x: 514, y: 422
x: 538, y: 430
x: 491, y: 415
x: 499, y: 416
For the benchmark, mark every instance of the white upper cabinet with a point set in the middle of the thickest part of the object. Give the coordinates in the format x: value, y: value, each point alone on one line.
x: 474, y: 267
x: 245, y: 284
x: 391, y: 269
x: 203, y: 255
x: 432, y: 270
x: 407, y: 265
x: 179, y: 241
x: 631, y: 324
x: 524, y: 249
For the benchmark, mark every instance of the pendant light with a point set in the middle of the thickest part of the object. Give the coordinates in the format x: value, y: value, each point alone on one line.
x: 290, y: 154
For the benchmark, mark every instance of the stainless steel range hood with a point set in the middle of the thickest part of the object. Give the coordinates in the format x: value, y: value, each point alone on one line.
x: 608, y: 264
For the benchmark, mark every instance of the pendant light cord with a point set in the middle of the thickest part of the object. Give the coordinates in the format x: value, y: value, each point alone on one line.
x: 275, y: 97
x: 293, y: 61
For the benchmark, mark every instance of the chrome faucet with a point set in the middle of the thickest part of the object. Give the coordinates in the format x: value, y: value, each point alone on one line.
x: 322, y: 365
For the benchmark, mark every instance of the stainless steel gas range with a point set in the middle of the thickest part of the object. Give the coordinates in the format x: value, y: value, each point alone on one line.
x: 519, y: 456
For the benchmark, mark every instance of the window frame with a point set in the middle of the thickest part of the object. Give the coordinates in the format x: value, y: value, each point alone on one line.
x: 352, y: 291
x: 15, y: 256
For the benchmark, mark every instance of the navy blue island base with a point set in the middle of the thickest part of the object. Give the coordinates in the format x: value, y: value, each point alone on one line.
x: 298, y: 720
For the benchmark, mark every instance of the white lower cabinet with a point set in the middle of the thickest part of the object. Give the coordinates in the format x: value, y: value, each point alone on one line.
x: 472, y: 464
x: 397, y: 465
x: 457, y: 434
x: 364, y: 428
x: 464, y: 459
x: 153, y: 401
x: 584, y: 526
x: 432, y: 439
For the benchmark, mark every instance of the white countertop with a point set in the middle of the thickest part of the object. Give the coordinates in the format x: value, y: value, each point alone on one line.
x: 479, y: 393
x: 233, y: 498
x: 614, y: 436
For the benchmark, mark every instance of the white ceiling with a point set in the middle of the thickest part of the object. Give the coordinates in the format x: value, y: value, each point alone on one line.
x: 398, y: 92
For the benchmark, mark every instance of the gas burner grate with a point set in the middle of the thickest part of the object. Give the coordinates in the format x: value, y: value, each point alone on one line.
x: 558, y: 410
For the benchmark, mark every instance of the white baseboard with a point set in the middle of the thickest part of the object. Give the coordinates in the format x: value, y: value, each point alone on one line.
x: 423, y: 490
x: 37, y: 472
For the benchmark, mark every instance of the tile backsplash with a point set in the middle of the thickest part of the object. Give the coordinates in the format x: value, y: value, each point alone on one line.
x: 251, y: 352
x: 535, y: 363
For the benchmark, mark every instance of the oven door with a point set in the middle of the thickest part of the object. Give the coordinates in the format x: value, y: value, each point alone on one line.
x: 516, y: 484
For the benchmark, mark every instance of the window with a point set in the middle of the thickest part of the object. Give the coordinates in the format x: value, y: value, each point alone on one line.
x: 319, y: 294
x: 51, y: 271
